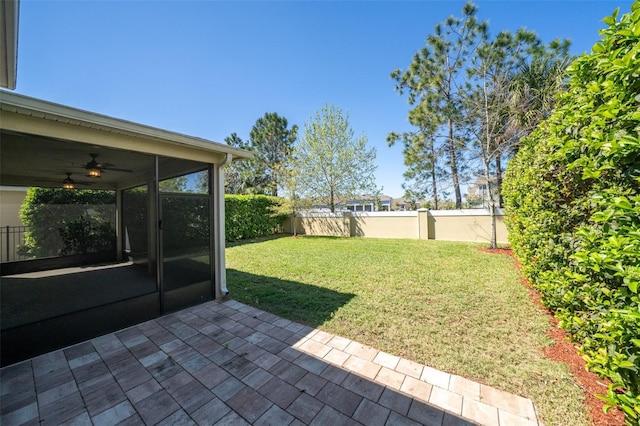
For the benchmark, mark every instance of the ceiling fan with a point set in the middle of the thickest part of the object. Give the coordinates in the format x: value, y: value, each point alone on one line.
x: 67, y: 183
x: 94, y: 168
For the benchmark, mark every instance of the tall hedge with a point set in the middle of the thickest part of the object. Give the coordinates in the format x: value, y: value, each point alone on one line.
x: 63, y: 222
x: 572, y: 197
x: 251, y: 216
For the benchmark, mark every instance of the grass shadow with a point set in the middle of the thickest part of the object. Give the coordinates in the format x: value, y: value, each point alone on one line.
x: 295, y: 301
x: 256, y: 240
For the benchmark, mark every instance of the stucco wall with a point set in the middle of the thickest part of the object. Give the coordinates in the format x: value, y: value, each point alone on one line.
x: 334, y: 225
x: 11, y: 199
x: 385, y: 225
x: 449, y: 225
x: 465, y: 225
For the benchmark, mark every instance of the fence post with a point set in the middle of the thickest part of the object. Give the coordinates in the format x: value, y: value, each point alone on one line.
x: 423, y: 224
x: 347, y: 217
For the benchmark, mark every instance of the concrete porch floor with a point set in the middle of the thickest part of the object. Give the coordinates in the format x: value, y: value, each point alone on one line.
x: 229, y: 363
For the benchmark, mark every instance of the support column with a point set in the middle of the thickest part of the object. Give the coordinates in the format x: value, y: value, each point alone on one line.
x: 118, y: 226
x: 216, y: 183
x: 155, y: 236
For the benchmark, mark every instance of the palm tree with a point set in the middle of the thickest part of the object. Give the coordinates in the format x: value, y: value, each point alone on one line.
x: 533, y: 96
x: 534, y: 91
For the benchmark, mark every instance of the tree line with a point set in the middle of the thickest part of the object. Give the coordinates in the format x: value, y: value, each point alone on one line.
x: 473, y: 96
x: 326, y: 166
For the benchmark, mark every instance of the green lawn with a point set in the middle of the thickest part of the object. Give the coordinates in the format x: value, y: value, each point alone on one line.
x: 443, y: 304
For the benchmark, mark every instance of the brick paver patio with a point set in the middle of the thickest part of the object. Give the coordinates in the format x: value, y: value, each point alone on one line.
x: 229, y: 363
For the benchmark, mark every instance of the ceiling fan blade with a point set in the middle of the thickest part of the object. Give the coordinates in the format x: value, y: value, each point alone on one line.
x: 103, y: 166
x: 58, y: 181
x: 117, y: 169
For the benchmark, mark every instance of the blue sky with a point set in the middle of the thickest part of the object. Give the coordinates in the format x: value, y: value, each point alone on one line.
x: 210, y: 68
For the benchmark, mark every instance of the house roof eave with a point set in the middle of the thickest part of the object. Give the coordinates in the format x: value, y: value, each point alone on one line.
x: 9, y: 11
x: 20, y: 104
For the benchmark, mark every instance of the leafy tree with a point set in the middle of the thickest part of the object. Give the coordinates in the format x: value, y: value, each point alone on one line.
x: 572, y: 194
x: 432, y: 82
x: 474, y: 197
x: 271, y: 141
x: 459, y: 62
x: 243, y: 177
x: 176, y: 184
x: 488, y: 108
x: 421, y: 154
x: 334, y: 165
x: 202, y: 182
x: 272, y: 144
x: 292, y: 201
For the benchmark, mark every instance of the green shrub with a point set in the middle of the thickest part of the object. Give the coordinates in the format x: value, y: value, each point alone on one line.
x: 186, y: 226
x: 572, y: 197
x: 63, y: 222
x: 251, y: 216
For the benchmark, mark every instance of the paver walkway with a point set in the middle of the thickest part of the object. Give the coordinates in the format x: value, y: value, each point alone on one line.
x: 229, y: 363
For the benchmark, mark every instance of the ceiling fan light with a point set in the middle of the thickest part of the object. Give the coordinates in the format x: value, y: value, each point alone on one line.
x: 68, y: 183
x: 94, y: 169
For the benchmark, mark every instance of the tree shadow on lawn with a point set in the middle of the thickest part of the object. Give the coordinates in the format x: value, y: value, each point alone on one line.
x: 295, y: 301
x: 256, y: 240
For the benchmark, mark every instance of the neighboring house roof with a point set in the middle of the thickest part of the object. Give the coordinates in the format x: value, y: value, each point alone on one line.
x: 368, y: 198
x: 39, y: 138
x: 9, y: 43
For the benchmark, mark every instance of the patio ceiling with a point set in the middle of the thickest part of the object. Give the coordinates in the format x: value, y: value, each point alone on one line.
x: 41, y: 142
x: 30, y: 160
